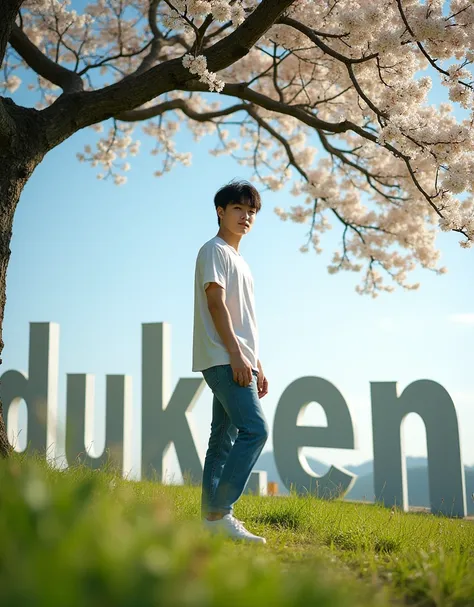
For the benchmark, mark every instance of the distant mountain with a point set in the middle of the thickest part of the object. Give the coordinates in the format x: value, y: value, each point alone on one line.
x: 417, y: 481
x: 266, y: 462
x: 363, y: 489
x: 361, y: 469
x: 368, y: 467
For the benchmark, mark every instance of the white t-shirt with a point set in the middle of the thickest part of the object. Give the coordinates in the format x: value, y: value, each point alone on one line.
x: 219, y: 262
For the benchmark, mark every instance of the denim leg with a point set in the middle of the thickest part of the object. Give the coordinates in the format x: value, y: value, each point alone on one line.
x: 242, y: 405
x: 223, y: 435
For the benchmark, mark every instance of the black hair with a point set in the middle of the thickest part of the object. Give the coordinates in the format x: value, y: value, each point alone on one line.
x: 237, y: 192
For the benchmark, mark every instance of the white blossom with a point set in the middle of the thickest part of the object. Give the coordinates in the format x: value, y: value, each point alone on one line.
x: 198, y: 8
x: 11, y: 84
x: 391, y: 169
x: 196, y: 65
x: 221, y: 10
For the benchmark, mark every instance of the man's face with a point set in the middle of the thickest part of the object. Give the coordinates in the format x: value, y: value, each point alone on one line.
x: 238, y: 218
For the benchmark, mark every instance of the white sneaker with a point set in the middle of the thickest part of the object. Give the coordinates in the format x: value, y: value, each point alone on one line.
x: 233, y: 528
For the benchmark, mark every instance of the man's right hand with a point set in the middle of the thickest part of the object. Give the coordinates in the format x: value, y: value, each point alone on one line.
x: 242, y: 369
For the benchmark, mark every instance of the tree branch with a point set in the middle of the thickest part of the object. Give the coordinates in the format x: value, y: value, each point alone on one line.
x: 311, y: 34
x: 433, y: 62
x: 73, y: 112
x: 242, y: 91
x: 122, y: 55
x: 178, y: 104
x: 8, y: 12
x: 69, y: 81
x: 216, y: 32
x: 289, y: 152
x: 354, y: 226
x: 152, y: 56
x: 348, y: 61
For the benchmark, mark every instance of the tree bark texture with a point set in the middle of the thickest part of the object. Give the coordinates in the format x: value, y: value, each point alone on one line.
x: 8, y: 12
x: 9, y: 191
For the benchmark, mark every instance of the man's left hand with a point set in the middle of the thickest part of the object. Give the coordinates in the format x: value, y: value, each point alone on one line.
x: 262, y: 383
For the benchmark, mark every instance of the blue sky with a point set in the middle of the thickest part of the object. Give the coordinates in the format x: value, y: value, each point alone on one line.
x: 100, y: 260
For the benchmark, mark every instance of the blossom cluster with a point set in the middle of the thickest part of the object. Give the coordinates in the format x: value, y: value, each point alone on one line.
x: 198, y: 65
x: 163, y: 132
x: 221, y: 10
x: 110, y: 150
x: 392, y: 165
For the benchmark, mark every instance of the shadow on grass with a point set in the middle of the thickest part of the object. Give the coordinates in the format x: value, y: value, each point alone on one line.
x: 281, y: 520
x: 357, y: 539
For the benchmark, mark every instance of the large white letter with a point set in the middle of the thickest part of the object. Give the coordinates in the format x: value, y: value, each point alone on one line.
x: 165, y: 417
x: 446, y: 473
x: 39, y: 389
x: 289, y: 438
x: 80, y: 403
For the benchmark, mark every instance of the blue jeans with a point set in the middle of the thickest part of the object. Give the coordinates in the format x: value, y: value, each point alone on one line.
x: 238, y: 433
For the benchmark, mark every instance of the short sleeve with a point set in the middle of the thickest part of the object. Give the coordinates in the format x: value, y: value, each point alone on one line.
x: 213, y: 266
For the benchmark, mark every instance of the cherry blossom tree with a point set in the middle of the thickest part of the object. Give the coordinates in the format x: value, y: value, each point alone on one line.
x: 329, y: 96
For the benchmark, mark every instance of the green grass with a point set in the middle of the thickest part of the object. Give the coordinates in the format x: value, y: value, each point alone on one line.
x: 83, y: 538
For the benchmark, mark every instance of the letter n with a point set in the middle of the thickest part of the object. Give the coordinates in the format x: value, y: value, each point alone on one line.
x: 445, y: 471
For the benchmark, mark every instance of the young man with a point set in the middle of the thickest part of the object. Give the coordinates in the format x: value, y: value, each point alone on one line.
x: 225, y: 350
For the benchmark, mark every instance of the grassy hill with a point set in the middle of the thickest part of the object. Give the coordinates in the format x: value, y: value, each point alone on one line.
x: 81, y: 538
x: 363, y: 489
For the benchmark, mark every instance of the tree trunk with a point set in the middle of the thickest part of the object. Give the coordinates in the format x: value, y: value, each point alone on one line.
x: 21, y: 150
x: 7, y: 206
